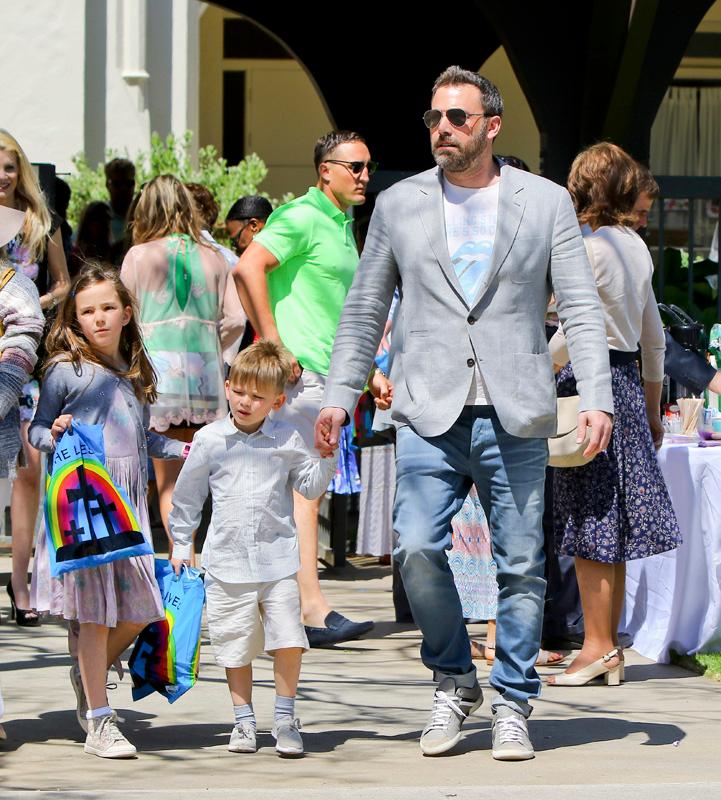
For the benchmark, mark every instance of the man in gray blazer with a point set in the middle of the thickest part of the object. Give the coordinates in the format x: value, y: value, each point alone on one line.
x: 476, y: 249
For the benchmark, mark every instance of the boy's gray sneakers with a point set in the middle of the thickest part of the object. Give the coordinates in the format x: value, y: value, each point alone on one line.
x: 451, y: 705
x: 242, y: 738
x: 509, y: 735
x: 81, y: 701
x: 105, y: 740
x: 288, y: 741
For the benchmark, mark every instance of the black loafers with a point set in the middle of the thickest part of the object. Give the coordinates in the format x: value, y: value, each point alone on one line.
x: 338, y: 629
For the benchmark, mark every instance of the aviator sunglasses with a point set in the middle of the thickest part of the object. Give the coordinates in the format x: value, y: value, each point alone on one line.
x: 456, y: 116
x: 356, y: 167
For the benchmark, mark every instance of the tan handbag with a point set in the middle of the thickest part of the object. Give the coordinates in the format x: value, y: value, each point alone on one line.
x: 563, y: 450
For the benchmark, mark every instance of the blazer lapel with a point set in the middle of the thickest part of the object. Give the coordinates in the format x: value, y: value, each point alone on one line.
x: 511, y: 204
x: 430, y: 209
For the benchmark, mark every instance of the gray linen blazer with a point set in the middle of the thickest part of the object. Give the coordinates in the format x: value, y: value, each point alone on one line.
x: 438, y: 336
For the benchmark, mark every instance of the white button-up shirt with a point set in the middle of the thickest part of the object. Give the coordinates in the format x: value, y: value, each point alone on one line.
x: 251, y: 477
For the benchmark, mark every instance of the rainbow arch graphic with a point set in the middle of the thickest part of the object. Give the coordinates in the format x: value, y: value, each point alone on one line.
x: 88, y: 519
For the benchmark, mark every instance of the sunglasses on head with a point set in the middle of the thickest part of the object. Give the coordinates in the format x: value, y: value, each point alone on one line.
x: 356, y: 167
x: 456, y: 116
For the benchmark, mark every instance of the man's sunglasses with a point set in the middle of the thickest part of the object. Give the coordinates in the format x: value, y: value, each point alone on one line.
x: 356, y: 167
x: 456, y: 116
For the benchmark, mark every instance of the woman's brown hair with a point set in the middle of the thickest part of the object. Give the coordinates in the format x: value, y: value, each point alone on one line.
x: 66, y: 341
x: 165, y: 206
x: 603, y: 183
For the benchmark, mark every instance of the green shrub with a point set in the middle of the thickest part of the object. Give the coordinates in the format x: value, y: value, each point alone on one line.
x: 172, y: 156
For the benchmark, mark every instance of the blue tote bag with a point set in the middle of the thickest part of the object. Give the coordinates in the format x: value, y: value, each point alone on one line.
x: 88, y: 519
x: 165, y: 656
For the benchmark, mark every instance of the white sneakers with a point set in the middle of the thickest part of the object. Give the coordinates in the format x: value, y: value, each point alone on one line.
x: 509, y: 735
x: 105, y: 740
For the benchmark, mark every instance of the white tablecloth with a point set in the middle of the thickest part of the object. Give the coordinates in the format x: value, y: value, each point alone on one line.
x: 673, y: 600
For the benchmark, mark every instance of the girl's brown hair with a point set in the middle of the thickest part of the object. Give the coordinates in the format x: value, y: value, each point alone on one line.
x: 603, y: 183
x: 66, y: 342
x: 165, y: 206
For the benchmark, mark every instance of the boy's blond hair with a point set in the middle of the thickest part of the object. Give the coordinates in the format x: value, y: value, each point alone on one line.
x: 264, y: 363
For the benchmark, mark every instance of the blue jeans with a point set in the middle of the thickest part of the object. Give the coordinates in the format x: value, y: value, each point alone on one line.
x: 434, y: 476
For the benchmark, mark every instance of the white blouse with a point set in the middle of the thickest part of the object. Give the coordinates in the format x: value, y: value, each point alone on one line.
x: 623, y: 269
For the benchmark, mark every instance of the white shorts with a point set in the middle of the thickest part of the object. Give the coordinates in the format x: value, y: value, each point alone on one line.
x: 302, y: 405
x: 247, y: 619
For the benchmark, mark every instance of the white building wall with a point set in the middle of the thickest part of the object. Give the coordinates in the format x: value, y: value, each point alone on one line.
x: 100, y: 74
x: 127, y: 113
x: 43, y: 104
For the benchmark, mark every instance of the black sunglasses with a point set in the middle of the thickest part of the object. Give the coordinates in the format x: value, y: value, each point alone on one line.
x: 356, y: 167
x: 456, y: 116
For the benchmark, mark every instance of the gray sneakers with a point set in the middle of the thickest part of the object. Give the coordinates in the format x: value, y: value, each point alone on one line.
x: 509, y: 734
x: 451, y: 705
x: 288, y: 741
x: 82, y: 703
x: 242, y: 739
x: 105, y: 740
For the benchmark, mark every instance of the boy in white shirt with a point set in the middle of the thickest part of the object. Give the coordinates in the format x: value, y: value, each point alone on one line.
x: 251, y: 464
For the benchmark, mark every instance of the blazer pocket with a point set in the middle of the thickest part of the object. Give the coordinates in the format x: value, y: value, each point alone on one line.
x: 414, y: 366
x: 535, y: 384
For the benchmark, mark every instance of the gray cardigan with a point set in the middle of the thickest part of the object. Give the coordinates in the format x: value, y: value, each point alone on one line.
x: 87, y: 393
x: 22, y: 320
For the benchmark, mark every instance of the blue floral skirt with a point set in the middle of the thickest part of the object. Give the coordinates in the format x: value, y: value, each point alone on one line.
x: 617, y: 507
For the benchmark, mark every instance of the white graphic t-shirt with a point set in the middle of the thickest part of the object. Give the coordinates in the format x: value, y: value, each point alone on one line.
x: 471, y: 216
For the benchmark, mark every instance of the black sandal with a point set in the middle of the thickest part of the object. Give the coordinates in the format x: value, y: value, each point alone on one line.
x: 24, y: 617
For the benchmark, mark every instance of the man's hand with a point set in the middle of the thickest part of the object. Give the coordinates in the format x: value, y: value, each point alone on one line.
x: 327, y: 430
x: 382, y: 390
x: 296, y: 369
x: 601, y: 425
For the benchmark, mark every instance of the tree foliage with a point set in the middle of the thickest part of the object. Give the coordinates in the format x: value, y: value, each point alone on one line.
x: 172, y: 155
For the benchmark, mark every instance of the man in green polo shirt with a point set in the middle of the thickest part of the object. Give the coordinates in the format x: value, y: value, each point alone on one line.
x: 293, y: 280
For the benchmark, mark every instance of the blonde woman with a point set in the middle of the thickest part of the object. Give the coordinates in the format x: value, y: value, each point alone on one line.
x: 184, y: 296
x: 36, y: 252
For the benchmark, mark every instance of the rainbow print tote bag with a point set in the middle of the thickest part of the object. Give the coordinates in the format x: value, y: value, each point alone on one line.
x: 165, y: 656
x: 88, y: 519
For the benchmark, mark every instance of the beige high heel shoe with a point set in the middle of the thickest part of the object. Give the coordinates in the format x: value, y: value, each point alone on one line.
x: 611, y: 675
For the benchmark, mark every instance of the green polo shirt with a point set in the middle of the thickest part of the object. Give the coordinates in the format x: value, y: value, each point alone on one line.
x: 317, y: 256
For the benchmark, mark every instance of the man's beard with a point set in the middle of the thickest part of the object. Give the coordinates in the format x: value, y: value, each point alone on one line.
x: 464, y: 156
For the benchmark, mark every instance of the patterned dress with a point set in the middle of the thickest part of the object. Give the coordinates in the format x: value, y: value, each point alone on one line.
x: 124, y: 590
x: 617, y: 507
x: 189, y: 310
x: 471, y: 561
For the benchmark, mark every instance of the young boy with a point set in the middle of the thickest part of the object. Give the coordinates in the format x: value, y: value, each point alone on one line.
x: 251, y: 464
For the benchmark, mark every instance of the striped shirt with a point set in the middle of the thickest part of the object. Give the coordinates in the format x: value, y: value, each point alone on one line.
x: 251, y: 477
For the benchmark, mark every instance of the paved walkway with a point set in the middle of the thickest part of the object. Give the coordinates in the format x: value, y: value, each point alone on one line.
x: 363, y: 707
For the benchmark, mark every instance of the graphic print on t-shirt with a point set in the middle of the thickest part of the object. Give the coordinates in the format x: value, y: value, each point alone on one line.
x: 471, y: 261
x: 470, y: 216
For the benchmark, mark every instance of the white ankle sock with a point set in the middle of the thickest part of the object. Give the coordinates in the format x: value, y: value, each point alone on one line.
x: 94, y: 713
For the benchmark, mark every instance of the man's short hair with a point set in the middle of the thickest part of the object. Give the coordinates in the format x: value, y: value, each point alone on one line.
x: 253, y: 206
x: 205, y: 204
x: 266, y: 364
x: 328, y: 143
x: 491, y: 99
x: 120, y: 165
x: 647, y: 183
